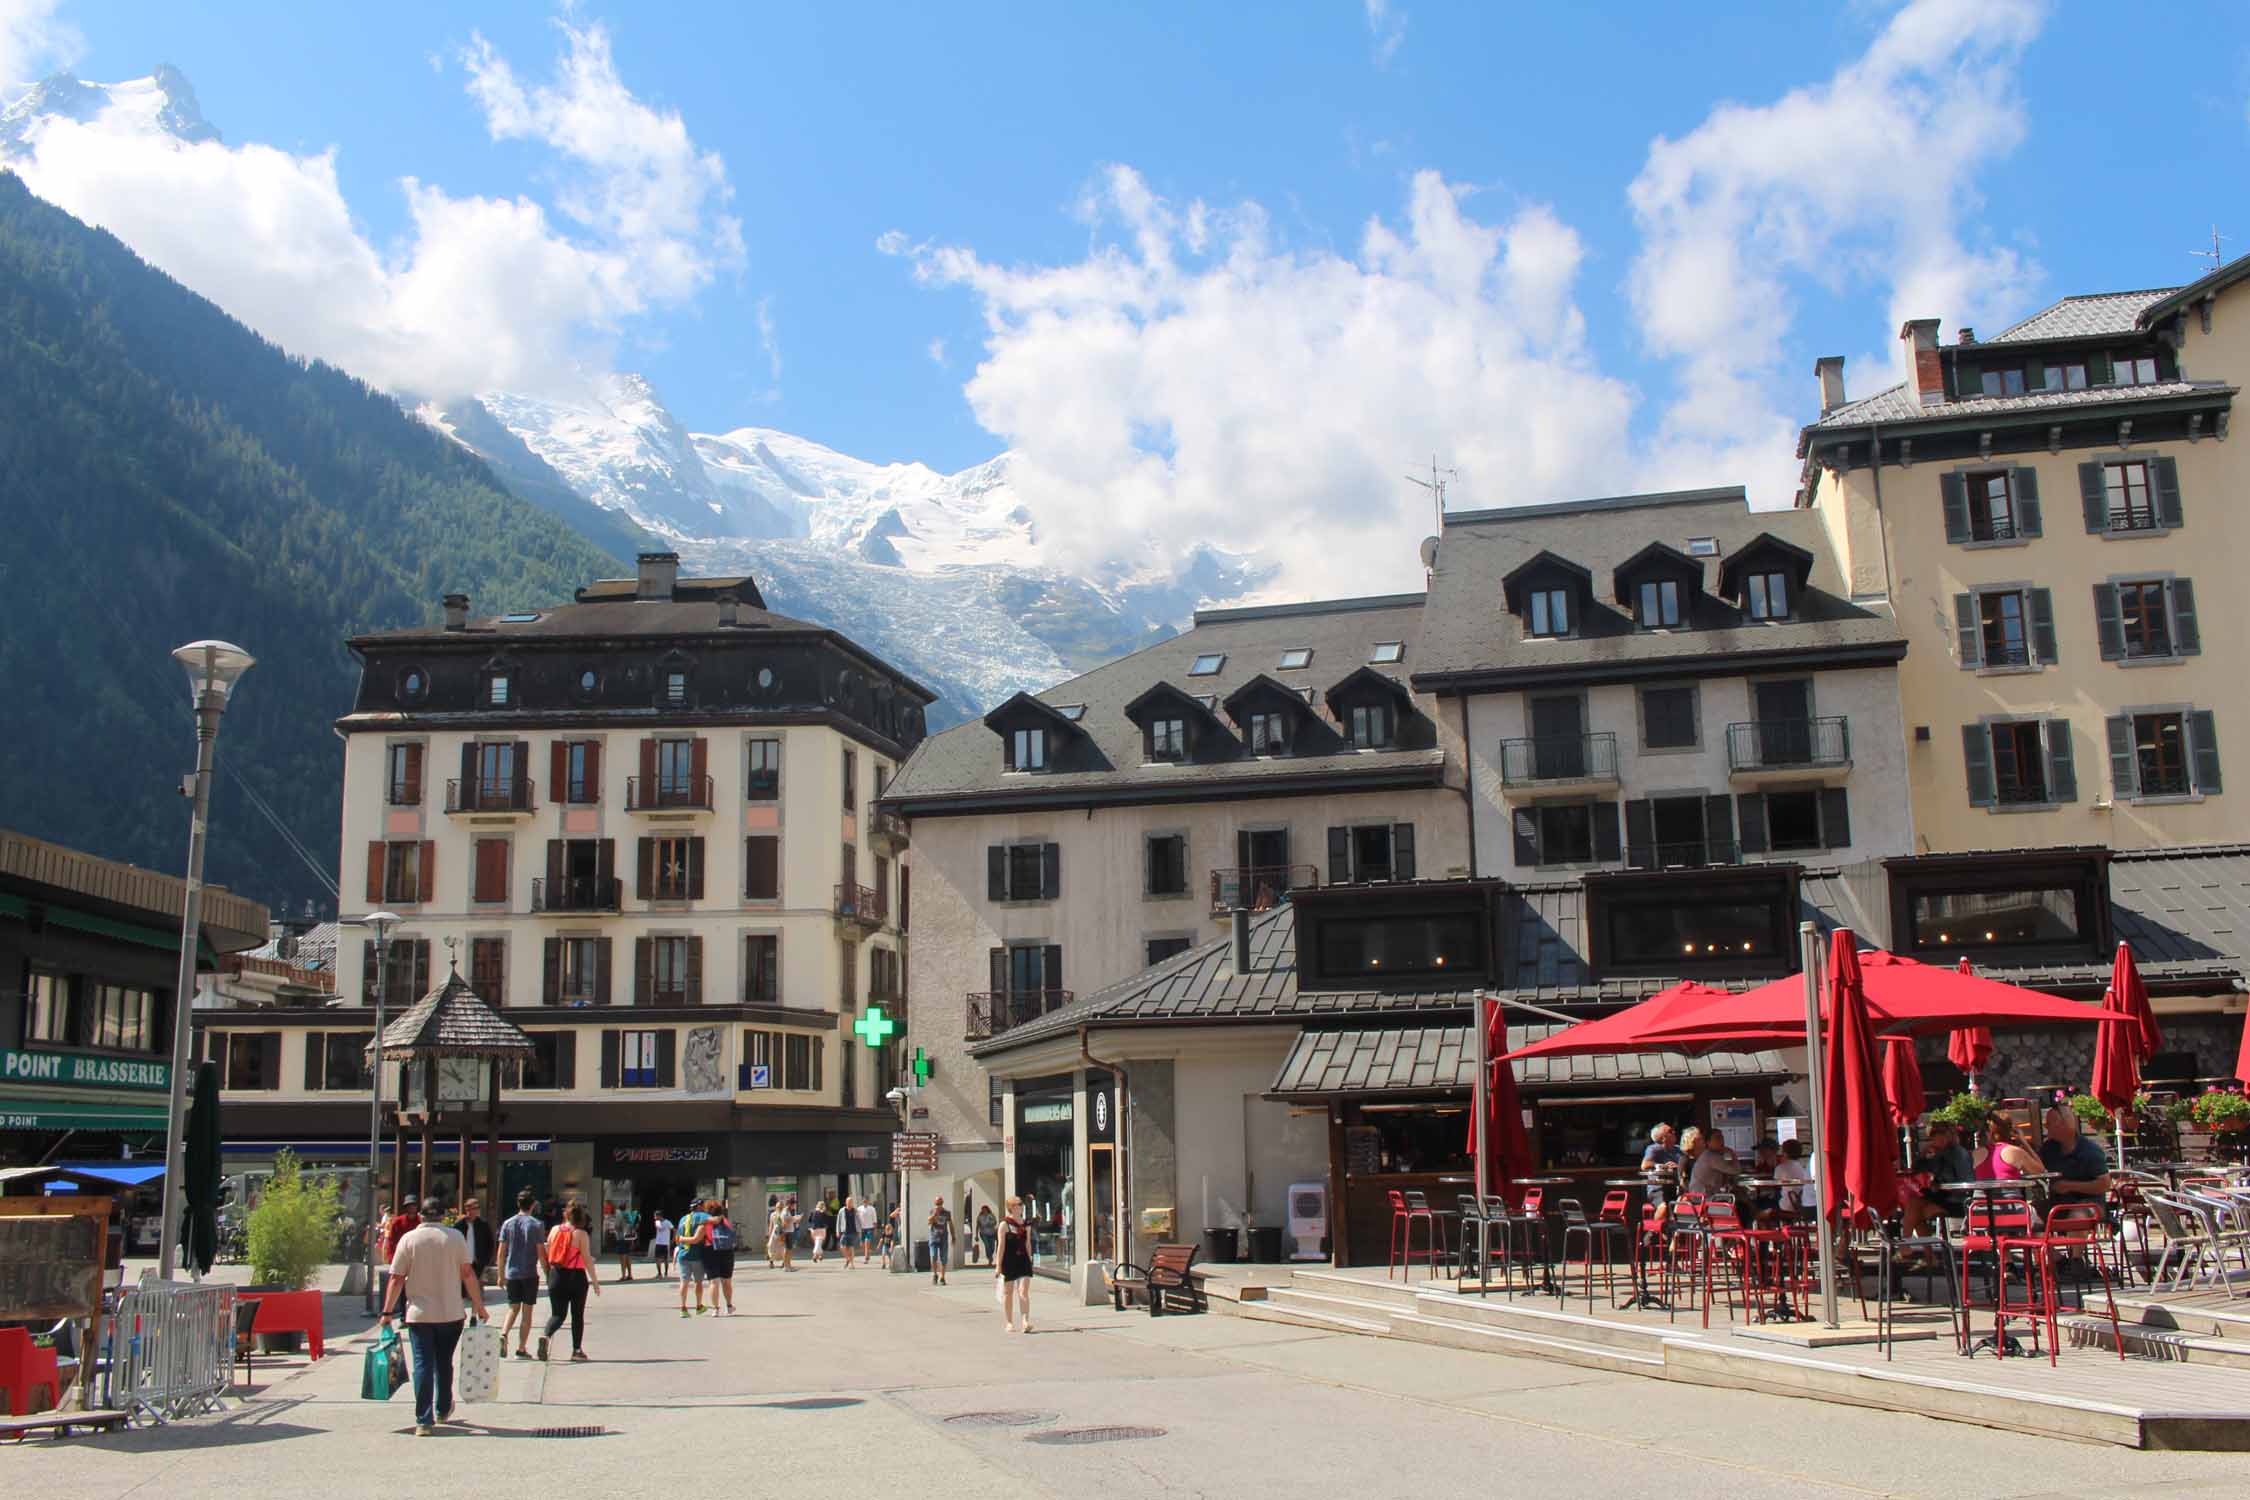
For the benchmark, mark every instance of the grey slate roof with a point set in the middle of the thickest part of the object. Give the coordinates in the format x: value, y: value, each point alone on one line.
x: 604, y: 620
x: 2218, y: 280
x: 451, y: 1021
x: 965, y: 762
x: 1897, y: 405
x: 1467, y: 627
x: 2088, y: 316
x: 314, y: 948
x: 1440, y: 1059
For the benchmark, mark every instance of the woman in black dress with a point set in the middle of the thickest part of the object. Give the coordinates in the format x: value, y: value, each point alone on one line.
x: 1015, y: 1266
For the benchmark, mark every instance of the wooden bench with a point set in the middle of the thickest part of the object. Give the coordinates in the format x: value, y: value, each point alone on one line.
x: 59, y: 1423
x: 1169, y: 1273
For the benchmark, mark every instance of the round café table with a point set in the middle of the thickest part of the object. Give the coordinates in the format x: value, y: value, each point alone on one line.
x: 1782, y: 1310
x: 1643, y: 1295
x: 1984, y: 1190
x: 1547, y: 1286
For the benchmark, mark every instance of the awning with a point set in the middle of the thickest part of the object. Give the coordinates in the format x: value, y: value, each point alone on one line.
x: 64, y: 1113
x: 122, y: 1173
x: 1398, y: 1060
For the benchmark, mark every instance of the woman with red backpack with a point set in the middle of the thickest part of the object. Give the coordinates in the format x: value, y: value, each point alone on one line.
x: 720, y: 1241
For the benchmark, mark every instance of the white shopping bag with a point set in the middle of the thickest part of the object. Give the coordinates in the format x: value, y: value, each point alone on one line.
x: 476, y: 1370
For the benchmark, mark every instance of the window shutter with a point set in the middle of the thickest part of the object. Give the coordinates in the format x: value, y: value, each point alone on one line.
x: 1640, y: 834
x: 2023, y: 484
x: 2203, y: 745
x: 2109, y: 624
x: 1050, y: 967
x: 605, y: 861
x: 1976, y: 758
x: 2043, y: 626
x: 648, y: 773
x: 999, y: 958
x: 1835, y: 817
x: 1750, y: 812
x: 1402, y: 851
x: 699, y: 765
x: 695, y: 869
x: 644, y: 869
x: 414, y: 775
x: 667, y: 1055
x: 421, y: 967
x: 1968, y: 381
x: 594, y: 769
x: 316, y: 1053
x: 2187, y: 639
x: 1718, y: 828
x: 2062, y: 768
x: 2093, y: 494
x: 1242, y: 849
x: 469, y: 774
x: 2034, y: 374
x: 695, y: 970
x: 1050, y: 871
x: 1966, y: 637
x: 367, y: 968
x: 1953, y: 494
x: 996, y: 872
x: 425, y: 887
x: 644, y: 970
x: 2124, y: 779
x: 2167, y: 363
x: 375, y: 873
x: 609, y: 1059
x: 269, y: 1060
x: 601, y: 971
x: 558, y: 770
x: 566, y: 1059
x: 1339, y: 856
x: 1526, y: 837
x: 1606, y: 848
x: 2098, y: 370
x: 2164, y: 474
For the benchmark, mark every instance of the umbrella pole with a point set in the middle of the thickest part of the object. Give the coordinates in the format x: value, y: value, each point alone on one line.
x: 1483, y: 1129
x: 1808, y: 946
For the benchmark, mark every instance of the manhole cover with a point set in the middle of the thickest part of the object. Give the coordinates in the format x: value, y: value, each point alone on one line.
x: 999, y: 1418
x: 570, y: 1432
x: 1075, y: 1435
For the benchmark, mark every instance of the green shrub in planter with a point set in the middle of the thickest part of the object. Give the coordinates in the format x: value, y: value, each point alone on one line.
x: 2180, y: 1111
x: 1968, y: 1111
x: 292, y: 1227
x: 2223, y: 1109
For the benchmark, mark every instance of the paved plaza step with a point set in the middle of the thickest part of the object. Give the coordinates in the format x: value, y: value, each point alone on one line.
x: 1540, y: 1318
x: 2147, y: 1341
x: 1313, y: 1310
x: 2209, y: 1315
x: 1401, y: 1294
x: 1496, y: 1338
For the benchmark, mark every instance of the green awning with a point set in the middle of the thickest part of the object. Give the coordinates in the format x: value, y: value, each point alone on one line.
x: 61, y: 1113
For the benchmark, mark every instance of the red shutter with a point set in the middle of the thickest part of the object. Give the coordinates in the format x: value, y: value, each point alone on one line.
x: 558, y: 770
x: 492, y: 870
x: 648, y: 773
x: 413, y: 775
x: 644, y: 871
x: 601, y: 971
x: 375, y: 873
x: 519, y: 795
x: 695, y: 971
x: 593, y: 770
x: 426, y: 887
x: 699, y: 765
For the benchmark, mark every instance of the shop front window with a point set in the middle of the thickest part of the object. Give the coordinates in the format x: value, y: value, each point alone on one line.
x: 1045, y: 1178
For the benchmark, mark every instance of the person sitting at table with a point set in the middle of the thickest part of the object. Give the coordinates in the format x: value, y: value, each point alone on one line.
x: 2009, y: 1154
x: 2080, y: 1166
x: 1660, y: 1163
x: 1715, y: 1167
x: 1792, y: 1169
x: 1765, y: 1202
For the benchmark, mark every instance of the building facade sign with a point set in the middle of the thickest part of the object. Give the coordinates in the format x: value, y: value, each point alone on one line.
x: 83, y: 1068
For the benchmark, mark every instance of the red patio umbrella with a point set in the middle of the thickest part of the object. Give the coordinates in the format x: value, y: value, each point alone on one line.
x: 2117, y: 1068
x: 2242, y: 1057
x: 1623, y: 1031
x: 1502, y: 1125
x: 2132, y: 1000
x: 1970, y: 1047
x: 1860, y: 1172
x: 1903, y: 1091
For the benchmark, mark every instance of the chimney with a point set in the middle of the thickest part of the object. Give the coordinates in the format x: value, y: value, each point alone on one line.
x: 1239, y: 931
x: 1924, y: 372
x: 727, y: 604
x: 457, y: 611
x: 1966, y: 336
x: 659, y: 571
x: 1830, y: 369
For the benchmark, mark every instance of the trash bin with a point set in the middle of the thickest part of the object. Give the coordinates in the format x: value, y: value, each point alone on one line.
x: 922, y: 1256
x: 1219, y: 1245
x: 1265, y: 1245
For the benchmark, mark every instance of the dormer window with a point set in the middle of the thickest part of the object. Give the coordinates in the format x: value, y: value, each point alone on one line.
x: 1549, y: 613
x: 1269, y: 734
x: 1373, y: 726
x: 1034, y: 736
x: 675, y: 687
x: 1027, y: 750
x: 1765, y: 577
x: 496, y: 689
x: 1296, y: 658
x: 2133, y: 370
x: 1767, y: 595
x: 1208, y: 665
x: 1659, y: 604
x: 1167, y: 739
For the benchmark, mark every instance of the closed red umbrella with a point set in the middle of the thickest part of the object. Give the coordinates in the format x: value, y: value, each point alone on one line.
x: 2117, y: 1071
x: 1970, y: 1047
x: 1503, y: 1113
x: 2132, y: 1001
x: 1903, y: 1091
x: 1860, y: 1172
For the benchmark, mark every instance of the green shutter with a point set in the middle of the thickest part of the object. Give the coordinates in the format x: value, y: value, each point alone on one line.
x: 1750, y: 812
x: 2109, y: 625
x: 2165, y: 474
x: 2187, y: 639
x: 2023, y: 483
x: 1606, y: 846
x: 2093, y: 494
x: 1954, y: 496
x: 2203, y: 746
x: 1965, y: 634
x: 2043, y: 627
x: 2122, y: 780
x: 1976, y: 757
x: 2098, y: 371
x: 2062, y: 771
x: 1402, y: 851
x: 1718, y: 827
x: 1640, y: 834
x: 2034, y: 375
x: 1835, y: 817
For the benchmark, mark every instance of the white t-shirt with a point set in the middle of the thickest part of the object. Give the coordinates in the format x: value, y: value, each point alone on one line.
x: 663, y: 1232
x: 1793, y: 1171
x: 867, y: 1217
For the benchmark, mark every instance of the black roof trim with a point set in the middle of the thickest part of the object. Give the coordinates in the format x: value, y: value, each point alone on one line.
x: 1309, y: 607
x: 2182, y: 298
x: 1348, y: 686
x: 1504, y: 513
x: 1710, y: 664
x: 1264, y: 685
x: 1030, y: 798
x: 1162, y: 692
x: 1023, y: 705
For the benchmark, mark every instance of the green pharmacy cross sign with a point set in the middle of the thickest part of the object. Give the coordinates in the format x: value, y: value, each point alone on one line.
x: 922, y: 1068
x: 875, y: 1028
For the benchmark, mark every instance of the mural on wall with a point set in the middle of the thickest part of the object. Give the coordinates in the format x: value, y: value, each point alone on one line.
x: 702, y: 1061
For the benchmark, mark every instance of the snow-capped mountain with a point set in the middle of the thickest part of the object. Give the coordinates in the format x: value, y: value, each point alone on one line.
x: 162, y: 103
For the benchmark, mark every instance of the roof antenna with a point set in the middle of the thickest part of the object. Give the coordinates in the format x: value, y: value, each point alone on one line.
x: 2213, y: 254
x: 1436, y: 484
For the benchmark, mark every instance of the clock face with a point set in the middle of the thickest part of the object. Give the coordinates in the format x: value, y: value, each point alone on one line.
x: 460, y: 1080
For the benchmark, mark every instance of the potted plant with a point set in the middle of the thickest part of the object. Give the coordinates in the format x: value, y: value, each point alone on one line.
x: 290, y: 1232
x: 2222, y: 1111
x: 1969, y: 1112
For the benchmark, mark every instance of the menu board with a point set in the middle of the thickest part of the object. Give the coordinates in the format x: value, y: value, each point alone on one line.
x: 1363, y: 1150
x: 51, y: 1257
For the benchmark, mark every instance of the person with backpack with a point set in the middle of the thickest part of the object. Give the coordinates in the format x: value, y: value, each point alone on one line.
x: 720, y: 1241
x: 687, y: 1252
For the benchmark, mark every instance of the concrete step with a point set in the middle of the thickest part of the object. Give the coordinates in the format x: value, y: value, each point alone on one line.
x: 1541, y: 1319
x: 1397, y: 1294
x: 1333, y: 1305
x: 1490, y: 1338
x: 2208, y: 1315
x: 2147, y: 1342
x: 1303, y: 1314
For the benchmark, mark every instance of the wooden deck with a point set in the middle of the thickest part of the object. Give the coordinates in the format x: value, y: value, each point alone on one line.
x: 2156, y: 1397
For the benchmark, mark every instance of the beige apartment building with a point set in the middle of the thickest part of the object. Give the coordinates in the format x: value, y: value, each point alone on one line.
x: 643, y: 824
x: 2051, y: 514
x: 1076, y: 837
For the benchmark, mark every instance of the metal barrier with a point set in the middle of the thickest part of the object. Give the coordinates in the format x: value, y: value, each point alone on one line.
x: 172, y: 1350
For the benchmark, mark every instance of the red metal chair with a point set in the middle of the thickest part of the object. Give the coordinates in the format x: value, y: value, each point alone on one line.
x: 2070, y: 1227
x: 1403, y: 1217
x: 1534, y: 1199
x: 25, y: 1368
x: 1986, y: 1223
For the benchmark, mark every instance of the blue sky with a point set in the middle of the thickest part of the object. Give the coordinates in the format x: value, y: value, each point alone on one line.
x: 1983, y: 158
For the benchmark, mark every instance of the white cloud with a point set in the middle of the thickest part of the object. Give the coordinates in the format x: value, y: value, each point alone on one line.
x: 1387, y: 24
x: 937, y: 352
x: 32, y: 40
x: 768, y: 340
x: 480, y: 292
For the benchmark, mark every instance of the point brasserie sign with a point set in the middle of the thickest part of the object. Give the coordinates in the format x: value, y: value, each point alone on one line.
x: 83, y: 1069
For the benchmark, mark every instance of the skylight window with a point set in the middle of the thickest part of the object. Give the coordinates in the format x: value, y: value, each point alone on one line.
x: 1208, y: 665
x: 1296, y: 658
x: 524, y: 619
x: 1703, y: 546
x: 1071, y: 711
x: 1387, y: 652
x: 1210, y: 701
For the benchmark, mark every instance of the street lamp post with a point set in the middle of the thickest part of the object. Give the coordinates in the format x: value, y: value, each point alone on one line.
x: 213, y: 668
x: 382, y: 922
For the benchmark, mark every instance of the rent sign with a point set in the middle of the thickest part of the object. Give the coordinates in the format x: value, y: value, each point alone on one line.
x: 83, y: 1068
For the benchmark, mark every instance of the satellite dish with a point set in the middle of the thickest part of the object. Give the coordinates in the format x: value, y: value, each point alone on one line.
x: 1429, y: 552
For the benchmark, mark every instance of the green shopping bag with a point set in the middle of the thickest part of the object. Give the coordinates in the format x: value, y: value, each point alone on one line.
x: 384, y: 1369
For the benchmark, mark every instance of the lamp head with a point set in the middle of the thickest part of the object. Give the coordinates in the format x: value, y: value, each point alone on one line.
x: 895, y: 1095
x: 213, y: 665
x: 380, y: 921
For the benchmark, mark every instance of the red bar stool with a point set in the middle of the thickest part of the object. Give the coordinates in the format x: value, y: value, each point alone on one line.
x: 1986, y: 1223
x: 1406, y: 1209
x: 2070, y: 1227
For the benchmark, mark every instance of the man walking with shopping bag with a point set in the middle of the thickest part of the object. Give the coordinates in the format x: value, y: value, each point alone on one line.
x: 431, y: 1275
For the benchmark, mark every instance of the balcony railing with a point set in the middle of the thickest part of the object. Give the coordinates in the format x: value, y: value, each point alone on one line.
x: 1683, y: 854
x: 1992, y: 531
x: 861, y: 903
x: 575, y: 893
x: 481, y: 794
x: 2156, y: 783
x: 1766, y: 744
x: 2006, y: 653
x: 1563, y: 757
x: 658, y: 793
x: 1258, y: 887
x: 991, y: 1012
x: 2133, y: 520
x: 2013, y: 791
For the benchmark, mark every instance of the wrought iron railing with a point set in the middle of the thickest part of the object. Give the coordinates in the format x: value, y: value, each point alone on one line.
x: 575, y: 893
x: 654, y: 793
x: 991, y: 1012
x: 861, y: 903
x: 1258, y: 887
x: 1562, y: 757
x: 1681, y: 854
x: 1765, y: 744
x: 489, y: 794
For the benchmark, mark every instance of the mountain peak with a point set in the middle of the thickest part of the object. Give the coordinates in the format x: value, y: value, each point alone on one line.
x: 163, y: 103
